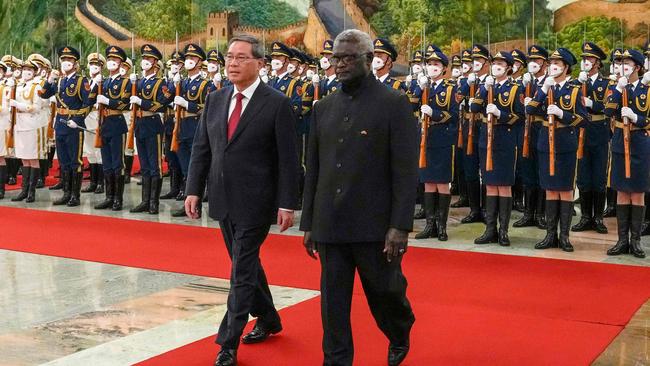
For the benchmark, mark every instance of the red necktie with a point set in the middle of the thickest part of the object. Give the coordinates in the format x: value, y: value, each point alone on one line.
x: 233, y: 121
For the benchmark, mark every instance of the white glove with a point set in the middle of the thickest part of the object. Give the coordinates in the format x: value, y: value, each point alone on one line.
x: 548, y: 83
x: 133, y: 77
x: 265, y: 79
x: 425, y: 109
x: 621, y: 84
x: 628, y: 113
x: 21, y: 107
x: 583, y: 77
x: 11, y: 82
x: 177, y: 78
x: 493, y: 110
x: 181, y: 102
x: 646, y: 78
x: 471, y: 79
x: 72, y: 124
x: 471, y: 101
x: 53, y: 99
x: 612, y: 77
x: 588, y: 102
x: 555, y: 110
x: 489, y: 81
x: 217, y: 78
x: 54, y: 76
x: 135, y: 100
x: 102, y: 99
x: 313, y: 102
x: 423, y: 82
x: 409, y: 78
x: 462, y: 103
x: 315, y: 80
x: 97, y: 79
x: 526, y: 79
x: 527, y: 101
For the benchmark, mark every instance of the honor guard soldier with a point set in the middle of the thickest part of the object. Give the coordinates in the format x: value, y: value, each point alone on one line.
x: 152, y: 97
x: 413, y: 90
x: 72, y: 91
x: 592, y: 165
x: 4, y: 126
x: 646, y: 81
x: 173, y: 164
x: 330, y: 83
x: 12, y: 76
x: 114, y: 100
x: 557, y: 157
x: 615, y: 72
x: 459, y: 184
x: 382, y: 63
x: 125, y: 69
x: 630, y: 171
x: 499, y: 102
x: 531, y: 81
x: 216, y: 63
x: 463, y: 100
x: 294, y: 64
x: 190, y: 99
x: 96, y: 63
x: 518, y: 193
x: 29, y: 131
x: 48, y: 114
x: 280, y: 57
x: 440, y: 114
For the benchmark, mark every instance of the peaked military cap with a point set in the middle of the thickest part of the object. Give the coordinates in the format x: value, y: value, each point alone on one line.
x: 195, y: 50
x: 214, y: 55
x: 616, y: 54
x: 39, y: 60
x: 564, y: 55
x: 519, y: 55
x: 537, y: 52
x: 149, y: 50
x: 466, y: 56
x: 455, y: 60
x: 115, y: 51
x: 280, y: 49
x: 69, y: 52
x: 177, y: 56
x: 590, y: 49
x: 635, y: 56
x: 328, y: 47
x: 434, y: 53
x: 480, y: 51
x: 417, y: 57
x: 96, y: 58
x: 30, y: 63
x: 384, y: 46
x: 505, y: 56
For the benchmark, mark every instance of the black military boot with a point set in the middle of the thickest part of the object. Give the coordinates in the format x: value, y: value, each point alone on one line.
x: 24, y: 186
x: 528, y: 219
x: 490, y: 235
x: 34, y: 175
x: 463, y: 201
x: 518, y: 197
x: 93, y: 180
x: 3, y: 180
x: 443, y: 215
x: 610, y: 211
x: 118, y: 199
x: 181, y: 191
x: 43, y: 166
x: 430, y: 204
x: 566, y: 214
x: 12, y: 170
x: 552, y: 216
x: 420, y: 214
x: 174, y: 185
x: 540, y: 210
x: 59, y: 184
x: 146, y: 191
x: 623, y: 224
x: 505, y: 211
x: 128, y: 167
x: 586, y: 217
x: 109, y: 180
x: 154, y: 197
x: 75, y: 198
x: 474, y: 196
x: 66, y: 180
x: 100, y: 179
x: 637, y: 214
x: 646, y: 223
x: 599, y: 208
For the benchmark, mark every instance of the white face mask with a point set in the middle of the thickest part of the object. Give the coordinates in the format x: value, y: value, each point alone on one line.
x: 145, y: 65
x: 276, y: 64
x: 434, y: 71
x: 416, y: 69
x: 310, y: 74
x: 94, y: 69
x: 377, y: 63
x: 585, y: 66
x: 498, y: 71
x: 646, y: 64
x: 533, y: 67
x: 477, y: 66
x: 456, y: 73
x: 111, y: 65
x: 17, y: 73
x: 66, y: 66
x: 9, y: 73
x: 555, y: 70
x: 43, y: 73
x: 212, y: 67
x: 263, y: 71
x: 204, y: 74
x: 617, y: 69
x: 175, y: 68
x: 466, y: 68
x: 325, y: 63
x: 628, y: 70
x: 301, y: 69
x: 291, y: 68
x: 516, y: 68
x: 190, y: 64
x: 28, y: 74
x: 122, y: 71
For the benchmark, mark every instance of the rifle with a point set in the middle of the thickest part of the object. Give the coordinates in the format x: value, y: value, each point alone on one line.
x: 177, y: 120
x: 100, y: 118
x: 551, y: 136
x: 425, y: 130
x: 470, y: 124
x: 134, y: 107
x: 581, y: 134
x: 50, y: 123
x: 525, y: 151
x: 489, y: 164
x: 12, y: 121
x: 626, y: 136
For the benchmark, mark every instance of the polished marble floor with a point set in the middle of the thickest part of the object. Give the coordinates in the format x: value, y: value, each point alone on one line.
x: 69, y: 312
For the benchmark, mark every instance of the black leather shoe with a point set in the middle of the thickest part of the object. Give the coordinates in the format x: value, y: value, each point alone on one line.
x: 259, y: 333
x: 397, y: 354
x: 226, y: 357
x: 585, y: 223
x: 419, y: 215
x: 462, y: 202
x: 474, y: 216
x: 599, y: 226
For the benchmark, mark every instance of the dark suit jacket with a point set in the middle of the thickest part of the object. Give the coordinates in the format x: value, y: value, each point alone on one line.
x: 362, y: 165
x: 255, y: 172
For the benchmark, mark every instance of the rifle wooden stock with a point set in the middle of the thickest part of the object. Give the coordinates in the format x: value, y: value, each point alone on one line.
x: 134, y: 110
x: 581, y: 134
x: 489, y: 163
x: 12, y: 121
x: 425, y: 131
x: 316, y: 92
x: 461, y: 115
x: 100, y: 119
x: 551, y: 136
x: 50, y: 122
x: 626, y: 137
x: 525, y: 151
x: 177, y: 121
x: 470, y: 124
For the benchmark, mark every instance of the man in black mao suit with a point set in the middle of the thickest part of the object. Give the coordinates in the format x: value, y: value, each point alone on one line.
x: 358, y: 200
x: 245, y: 145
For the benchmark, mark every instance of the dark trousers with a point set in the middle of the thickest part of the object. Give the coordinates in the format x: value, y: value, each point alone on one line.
x: 592, y: 169
x: 184, y: 153
x: 170, y: 156
x: 249, y: 289
x: 150, y: 155
x: 113, y: 153
x: 69, y: 150
x: 385, y: 289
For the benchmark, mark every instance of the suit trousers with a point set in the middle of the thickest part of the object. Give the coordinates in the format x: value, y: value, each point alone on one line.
x: 385, y: 289
x: 249, y: 289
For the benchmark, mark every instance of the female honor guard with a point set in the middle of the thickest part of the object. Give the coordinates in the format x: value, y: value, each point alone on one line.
x: 441, y: 114
x: 500, y: 103
x: 151, y: 99
x: 96, y: 63
x: 630, y: 174
x: 30, y: 131
x: 114, y: 100
x: 4, y: 125
x: 557, y: 156
x: 125, y: 67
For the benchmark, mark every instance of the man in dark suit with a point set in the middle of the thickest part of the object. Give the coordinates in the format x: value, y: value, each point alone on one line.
x: 245, y: 145
x: 358, y: 200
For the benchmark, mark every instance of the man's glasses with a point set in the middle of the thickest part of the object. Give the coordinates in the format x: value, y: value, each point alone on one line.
x: 238, y: 59
x: 345, y: 59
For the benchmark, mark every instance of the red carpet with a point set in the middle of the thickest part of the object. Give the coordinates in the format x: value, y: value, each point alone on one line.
x: 471, y: 308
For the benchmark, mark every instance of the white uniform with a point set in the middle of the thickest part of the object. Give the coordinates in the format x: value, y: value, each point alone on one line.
x: 93, y: 154
x: 30, y: 132
x: 4, y: 117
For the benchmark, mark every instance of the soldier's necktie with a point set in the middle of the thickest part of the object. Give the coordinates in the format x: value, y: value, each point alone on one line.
x: 233, y: 121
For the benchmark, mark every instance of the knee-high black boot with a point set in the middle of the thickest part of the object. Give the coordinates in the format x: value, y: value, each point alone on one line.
x: 109, y: 180
x: 474, y: 196
x: 24, y: 186
x: 552, y: 217
x: 530, y: 195
x: 66, y: 180
x: 599, y: 208
x: 59, y: 184
x: 42, y: 164
x: 463, y: 201
x: 128, y: 167
x: 430, y: 203
x: 443, y: 215
x: 610, y: 211
x: 174, y: 186
x: 636, y: 220
x: 119, y: 193
x: 34, y: 175
x: 154, y: 196
x: 75, y: 189
x: 645, y: 230
x: 100, y: 179
x: 93, y: 180
x: 540, y: 211
x: 586, y: 213
x: 566, y: 214
x: 623, y: 224
x: 146, y: 194
x: 505, y: 211
x: 490, y: 235
x: 420, y: 214
x: 3, y: 180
